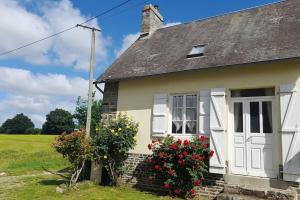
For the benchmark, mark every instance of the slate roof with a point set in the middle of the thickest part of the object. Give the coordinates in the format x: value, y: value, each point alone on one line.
x: 267, y: 33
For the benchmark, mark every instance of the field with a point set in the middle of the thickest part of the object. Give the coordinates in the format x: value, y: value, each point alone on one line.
x: 22, y: 176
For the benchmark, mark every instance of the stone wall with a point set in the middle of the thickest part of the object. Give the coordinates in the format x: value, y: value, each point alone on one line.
x: 137, y: 175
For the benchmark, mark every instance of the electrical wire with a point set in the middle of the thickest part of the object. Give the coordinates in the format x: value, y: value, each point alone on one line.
x: 65, y: 30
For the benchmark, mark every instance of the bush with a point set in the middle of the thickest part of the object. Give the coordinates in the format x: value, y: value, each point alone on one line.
x: 179, y: 165
x: 77, y: 149
x: 112, y: 143
x: 34, y: 131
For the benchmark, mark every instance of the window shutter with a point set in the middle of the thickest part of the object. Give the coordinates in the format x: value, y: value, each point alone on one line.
x: 159, y: 115
x: 290, y: 132
x: 217, y: 128
x: 204, y: 112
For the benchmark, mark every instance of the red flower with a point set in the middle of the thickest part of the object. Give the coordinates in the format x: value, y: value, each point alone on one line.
x: 211, y: 153
x: 160, y: 155
x: 193, y: 157
x: 167, y: 185
x: 179, y: 141
x: 174, y: 146
x: 194, y: 147
x: 165, y: 155
x: 202, y: 138
x: 180, y: 156
x: 192, y: 192
x: 177, y: 191
x: 149, y: 146
x: 197, y: 157
x: 186, y: 143
x: 171, y: 172
x: 204, y: 146
x: 185, y: 153
x: 181, y: 162
x: 157, y: 167
x: 197, y: 182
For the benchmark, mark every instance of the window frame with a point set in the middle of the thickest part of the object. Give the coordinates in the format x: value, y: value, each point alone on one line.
x: 183, y: 134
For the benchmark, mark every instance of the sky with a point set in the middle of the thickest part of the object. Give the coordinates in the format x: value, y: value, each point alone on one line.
x: 53, y: 73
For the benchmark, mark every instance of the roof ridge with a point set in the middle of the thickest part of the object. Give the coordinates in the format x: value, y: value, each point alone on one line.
x: 225, y: 14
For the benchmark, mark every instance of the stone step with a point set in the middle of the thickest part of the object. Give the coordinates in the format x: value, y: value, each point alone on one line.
x: 236, y: 197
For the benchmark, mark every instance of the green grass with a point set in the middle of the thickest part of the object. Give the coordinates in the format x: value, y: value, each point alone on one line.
x: 23, y: 157
x: 44, y: 188
x: 27, y: 154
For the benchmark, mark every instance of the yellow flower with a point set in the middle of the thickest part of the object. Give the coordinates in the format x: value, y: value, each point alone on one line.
x: 97, y: 129
x: 119, y: 129
x: 105, y: 157
x: 135, y: 138
x: 127, y: 126
x: 112, y: 130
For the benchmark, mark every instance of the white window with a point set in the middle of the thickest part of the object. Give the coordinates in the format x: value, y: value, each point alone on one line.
x: 184, y: 114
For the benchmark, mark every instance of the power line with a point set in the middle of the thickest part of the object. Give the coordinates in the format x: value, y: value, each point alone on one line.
x: 65, y: 30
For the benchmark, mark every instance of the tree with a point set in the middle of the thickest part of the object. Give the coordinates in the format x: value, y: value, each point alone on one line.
x: 18, y: 125
x: 57, y: 122
x: 81, y: 113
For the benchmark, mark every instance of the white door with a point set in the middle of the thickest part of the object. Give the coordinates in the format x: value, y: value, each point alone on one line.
x: 253, y: 136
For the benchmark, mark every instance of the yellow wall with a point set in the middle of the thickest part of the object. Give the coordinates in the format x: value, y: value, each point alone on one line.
x: 136, y: 95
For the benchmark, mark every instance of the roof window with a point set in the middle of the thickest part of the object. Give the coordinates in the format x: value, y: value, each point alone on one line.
x: 197, y: 51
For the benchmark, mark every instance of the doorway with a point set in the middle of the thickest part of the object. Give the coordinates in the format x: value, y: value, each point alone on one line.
x: 253, y: 133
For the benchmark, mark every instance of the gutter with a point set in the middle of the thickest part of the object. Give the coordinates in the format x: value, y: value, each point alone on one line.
x: 98, y: 88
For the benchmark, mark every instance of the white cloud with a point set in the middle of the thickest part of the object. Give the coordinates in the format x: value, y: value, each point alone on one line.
x: 128, y: 40
x: 37, y: 94
x: 171, y: 24
x: 20, y: 26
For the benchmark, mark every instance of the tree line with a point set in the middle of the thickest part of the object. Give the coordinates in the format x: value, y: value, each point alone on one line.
x: 57, y: 121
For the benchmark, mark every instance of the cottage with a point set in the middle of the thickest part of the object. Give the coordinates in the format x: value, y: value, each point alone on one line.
x: 234, y: 78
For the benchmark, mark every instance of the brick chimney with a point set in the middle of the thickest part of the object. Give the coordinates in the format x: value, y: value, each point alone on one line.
x: 152, y: 20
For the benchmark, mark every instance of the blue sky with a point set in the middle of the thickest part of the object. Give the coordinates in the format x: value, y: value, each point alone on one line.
x: 53, y: 73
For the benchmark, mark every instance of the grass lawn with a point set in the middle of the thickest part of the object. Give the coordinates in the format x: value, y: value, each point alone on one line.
x: 22, y: 158
x: 43, y: 188
x: 27, y: 154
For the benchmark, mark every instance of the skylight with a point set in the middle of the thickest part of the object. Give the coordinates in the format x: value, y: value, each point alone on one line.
x: 197, y: 51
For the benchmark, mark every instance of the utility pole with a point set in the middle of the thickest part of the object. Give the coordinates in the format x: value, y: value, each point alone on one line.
x: 91, y: 80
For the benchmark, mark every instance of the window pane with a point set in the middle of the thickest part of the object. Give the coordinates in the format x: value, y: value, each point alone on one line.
x: 190, y: 127
x: 253, y: 92
x: 191, y: 101
x: 254, y: 117
x: 177, y: 114
x: 177, y: 127
x: 178, y: 101
x: 191, y: 114
x: 238, y: 117
x: 267, y: 116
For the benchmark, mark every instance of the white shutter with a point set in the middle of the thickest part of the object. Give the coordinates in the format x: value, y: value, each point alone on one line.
x: 217, y: 128
x: 159, y: 115
x: 204, y: 112
x: 290, y: 133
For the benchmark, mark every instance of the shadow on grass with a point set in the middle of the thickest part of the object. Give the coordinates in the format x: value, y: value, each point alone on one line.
x: 52, y: 182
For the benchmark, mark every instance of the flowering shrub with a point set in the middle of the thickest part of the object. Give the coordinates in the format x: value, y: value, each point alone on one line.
x: 179, y: 165
x: 112, y: 143
x: 77, y: 149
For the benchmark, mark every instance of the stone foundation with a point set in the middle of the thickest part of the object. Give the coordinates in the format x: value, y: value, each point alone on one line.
x: 137, y: 175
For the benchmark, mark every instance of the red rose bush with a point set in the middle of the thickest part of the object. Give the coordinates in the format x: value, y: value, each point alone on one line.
x: 179, y: 165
